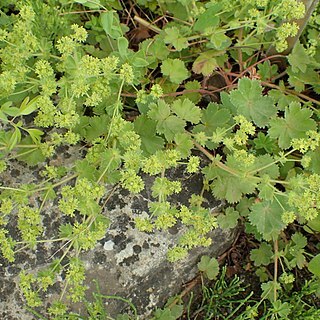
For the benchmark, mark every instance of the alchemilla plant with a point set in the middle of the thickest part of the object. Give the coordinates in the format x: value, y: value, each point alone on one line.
x: 71, y: 75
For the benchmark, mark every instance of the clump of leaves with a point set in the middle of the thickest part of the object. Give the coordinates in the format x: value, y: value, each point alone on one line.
x: 78, y: 80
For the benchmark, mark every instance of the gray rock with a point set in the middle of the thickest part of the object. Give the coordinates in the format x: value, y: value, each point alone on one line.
x: 126, y: 263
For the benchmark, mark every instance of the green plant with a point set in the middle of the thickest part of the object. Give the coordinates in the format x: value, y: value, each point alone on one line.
x: 230, y: 299
x: 76, y: 81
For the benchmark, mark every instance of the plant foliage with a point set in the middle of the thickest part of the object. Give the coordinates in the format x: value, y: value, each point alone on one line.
x: 77, y: 81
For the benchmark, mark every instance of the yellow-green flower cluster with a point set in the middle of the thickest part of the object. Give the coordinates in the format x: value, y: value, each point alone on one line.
x: 3, y: 166
x: 68, y: 204
x: 312, y: 47
x: 109, y: 65
x: 201, y: 138
x: 202, y: 220
x: 6, y: 206
x: 80, y: 33
x: 243, y: 157
x: 68, y: 120
x: 29, y: 224
x: 287, y: 278
x: 193, y: 164
x: 117, y: 125
x: 8, y: 82
x: 291, y: 9
x: 161, y: 160
x: 57, y: 308
x: 153, y: 165
x: 171, y: 158
x: 141, y: 96
x: 165, y: 221
x: 143, y: 224
x: 286, y: 30
x: 176, y: 253
x: 45, y: 279
x: 132, y: 159
x: 305, y: 197
x: 20, y: 46
x: 192, y: 238
x: 131, y: 181
x: 262, y: 3
x: 305, y: 161
x: 88, y: 189
x: 31, y: 296
x: 126, y: 73
x: 288, y: 217
x: 27, y: 13
x: 50, y: 171
x: 47, y: 112
x: 254, y: 13
x: 66, y: 45
x: 71, y: 138
x: 156, y: 91
x: 85, y: 237
x: 305, y: 144
x: 47, y: 149
x: 6, y: 245
x: 130, y: 140
x: 100, y: 90
x: 46, y: 76
x: 75, y: 276
x: 163, y: 187
x: 246, y: 129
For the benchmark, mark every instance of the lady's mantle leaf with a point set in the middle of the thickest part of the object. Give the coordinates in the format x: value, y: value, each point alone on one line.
x: 146, y: 128
x: 299, y: 59
x: 295, y: 124
x: 174, y: 37
x: 262, y: 255
x: 167, y: 124
x: 314, y: 265
x: 266, y: 216
x: 209, y: 266
x: 186, y: 110
x: 212, y: 118
x: 249, y: 102
x: 183, y: 144
x: 169, y: 313
x: 208, y: 19
x: 228, y: 186
x: 159, y: 111
x: 229, y: 219
x: 175, y: 70
x: 205, y: 63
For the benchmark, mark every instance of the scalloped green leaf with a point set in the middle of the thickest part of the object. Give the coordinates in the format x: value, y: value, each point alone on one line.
x: 296, y: 122
x: 249, y: 102
x: 175, y: 70
x: 266, y: 217
x: 186, y: 110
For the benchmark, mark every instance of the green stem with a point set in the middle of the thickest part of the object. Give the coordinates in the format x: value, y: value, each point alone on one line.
x: 12, y: 189
x: 22, y: 91
x: 58, y: 183
x: 25, y: 146
x: 275, y: 278
x: 147, y: 24
x: 21, y: 154
x: 213, y: 159
x: 272, y: 163
x: 292, y: 93
x: 104, y: 171
x: 121, y: 299
x: 40, y: 241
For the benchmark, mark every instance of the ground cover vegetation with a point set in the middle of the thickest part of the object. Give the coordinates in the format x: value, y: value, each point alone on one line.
x: 145, y: 86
